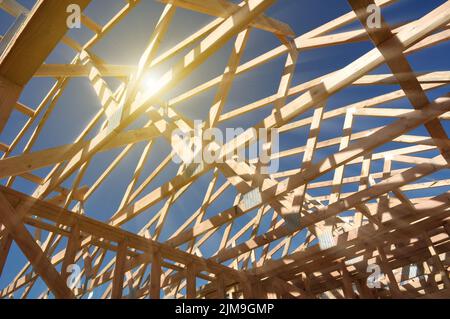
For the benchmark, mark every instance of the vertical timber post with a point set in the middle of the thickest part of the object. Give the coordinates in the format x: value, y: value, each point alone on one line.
x: 119, y: 269
x: 155, y: 279
x: 191, y: 281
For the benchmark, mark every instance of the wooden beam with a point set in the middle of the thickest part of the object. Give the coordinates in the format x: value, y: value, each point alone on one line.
x: 347, y: 282
x: 191, y: 281
x: 73, y: 246
x: 5, y: 245
x: 119, y: 271
x: 9, y: 94
x: 155, y: 276
x: 43, y: 29
x: 223, y: 8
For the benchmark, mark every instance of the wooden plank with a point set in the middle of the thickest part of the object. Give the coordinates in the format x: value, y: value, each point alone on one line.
x: 155, y: 279
x: 43, y: 29
x: 20, y: 164
x: 347, y: 283
x: 191, y: 281
x: 119, y: 271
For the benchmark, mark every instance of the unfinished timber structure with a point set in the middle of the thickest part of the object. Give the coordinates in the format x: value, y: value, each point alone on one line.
x: 390, y: 219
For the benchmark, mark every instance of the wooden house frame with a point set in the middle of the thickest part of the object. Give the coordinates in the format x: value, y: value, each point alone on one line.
x: 384, y: 227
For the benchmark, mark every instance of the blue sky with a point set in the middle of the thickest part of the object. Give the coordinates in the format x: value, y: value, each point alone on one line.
x: 125, y: 44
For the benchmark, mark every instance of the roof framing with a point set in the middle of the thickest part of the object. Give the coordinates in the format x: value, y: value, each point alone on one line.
x: 275, y: 239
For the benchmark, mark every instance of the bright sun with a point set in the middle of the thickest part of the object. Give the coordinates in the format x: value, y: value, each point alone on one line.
x: 149, y: 82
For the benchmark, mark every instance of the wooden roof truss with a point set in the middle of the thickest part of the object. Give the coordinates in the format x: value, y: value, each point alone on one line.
x: 313, y: 247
